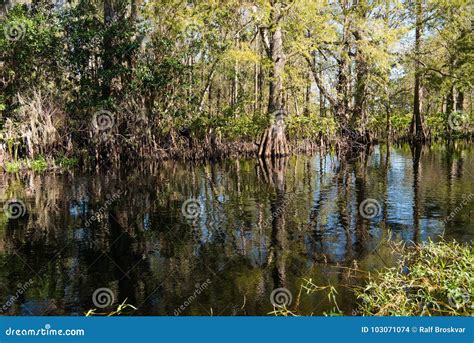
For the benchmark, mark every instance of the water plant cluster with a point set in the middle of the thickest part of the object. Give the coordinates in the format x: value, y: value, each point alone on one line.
x: 430, y: 279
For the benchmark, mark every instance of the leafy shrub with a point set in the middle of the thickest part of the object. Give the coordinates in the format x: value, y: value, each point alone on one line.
x: 39, y: 164
x: 309, y: 127
x: 12, y: 167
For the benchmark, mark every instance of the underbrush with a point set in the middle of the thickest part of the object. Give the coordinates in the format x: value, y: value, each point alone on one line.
x: 431, y: 279
x: 39, y: 164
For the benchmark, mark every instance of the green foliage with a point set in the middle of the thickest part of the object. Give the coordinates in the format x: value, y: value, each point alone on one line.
x: 401, y: 122
x: 67, y: 163
x: 437, y: 124
x: 12, y: 167
x: 309, y: 287
x: 244, y: 126
x: 205, y: 69
x: 431, y: 279
x: 310, y: 127
x: 32, y: 50
x: 38, y: 165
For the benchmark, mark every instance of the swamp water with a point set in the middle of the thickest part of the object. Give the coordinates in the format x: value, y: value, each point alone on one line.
x: 218, y: 238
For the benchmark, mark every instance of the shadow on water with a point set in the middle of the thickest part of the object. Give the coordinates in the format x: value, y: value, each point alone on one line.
x: 219, y: 238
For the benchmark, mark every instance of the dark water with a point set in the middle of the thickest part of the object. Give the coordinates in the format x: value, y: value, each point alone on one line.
x: 258, y: 226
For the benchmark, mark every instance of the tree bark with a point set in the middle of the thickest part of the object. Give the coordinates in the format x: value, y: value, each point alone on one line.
x: 107, y: 47
x: 273, y: 141
x: 359, y: 113
x: 342, y: 77
x: 307, y: 98
x: 418, y: 133
x: 449, y: 109
x: 460, y: 102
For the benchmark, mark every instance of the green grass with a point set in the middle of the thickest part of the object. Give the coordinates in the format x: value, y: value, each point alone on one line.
x: 67, y: 163
x: 122, y: 308
x: 38, y: 165
x: 431, y: 279
x: 309, y: 287
x: 12, y: 167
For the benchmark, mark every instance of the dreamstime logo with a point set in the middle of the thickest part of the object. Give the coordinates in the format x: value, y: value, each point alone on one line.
x: 15, y: 31
x: 5, y: 79
x: 279, y: 210
x: 457, y: 120
x: 19, y: 292
x: 281, y: 297
x: 369, y: 208
x: 14, y: 209
x: 103, y: 120
x: 466, y: 199
x: 459, y: 298
x: 103, y: 297
x: 191, y: 208
x: 102, y: 211
x: 145, y: 30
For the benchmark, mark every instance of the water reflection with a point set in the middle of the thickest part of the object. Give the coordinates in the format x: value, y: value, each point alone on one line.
x: 263, y: 224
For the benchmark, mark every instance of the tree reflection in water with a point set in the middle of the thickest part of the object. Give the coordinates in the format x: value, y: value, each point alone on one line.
x: 262, y: 225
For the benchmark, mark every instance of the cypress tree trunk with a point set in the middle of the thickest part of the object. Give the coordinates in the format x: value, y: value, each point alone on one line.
x: 449, y: 109
x: 359, y: 114
x: 273, y: 141
x: 460, y: 101
x: 417, y: 131
x: 107, y: 48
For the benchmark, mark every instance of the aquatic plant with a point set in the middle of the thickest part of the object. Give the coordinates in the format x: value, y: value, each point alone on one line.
x: 122, y: 308
x: 39, y: 164
x: 430, y: 279
x: 309, y: 287
x: 12, y: 167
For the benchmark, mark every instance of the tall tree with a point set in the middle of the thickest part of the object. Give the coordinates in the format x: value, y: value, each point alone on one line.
x: 417, y: 131
x: 273, y: 141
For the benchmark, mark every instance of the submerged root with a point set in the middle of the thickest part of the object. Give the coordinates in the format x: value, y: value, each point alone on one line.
x: 273, y: 142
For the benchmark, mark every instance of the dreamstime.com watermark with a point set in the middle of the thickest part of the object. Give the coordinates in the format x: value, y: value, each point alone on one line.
x: 14, y: 31
x: 467, y: 198
x: 281, y: 297
x: 46, y: 331
x: 192, y: 209
x: 14, y: 209
x: 100, y: 213
x: 190, y: 33
x: 370, y: 208
x: 103, y: 120
x: 20, y: 291
x: 199, y: 289
x: 103, y: 297
x: 278, y: 211
x: 458, y: 121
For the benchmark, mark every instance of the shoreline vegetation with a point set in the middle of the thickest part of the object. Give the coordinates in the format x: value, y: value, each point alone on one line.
x: 199, y: 152
x: 111, y: 83
x: 429, y: 279
x: 120, y: 81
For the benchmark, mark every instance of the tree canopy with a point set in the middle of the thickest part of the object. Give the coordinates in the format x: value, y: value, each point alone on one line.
x: 119, y: 78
